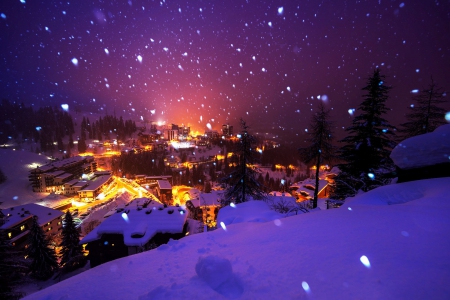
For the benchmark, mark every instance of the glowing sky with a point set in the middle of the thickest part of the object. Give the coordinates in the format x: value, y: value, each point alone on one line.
x: 199, y: 62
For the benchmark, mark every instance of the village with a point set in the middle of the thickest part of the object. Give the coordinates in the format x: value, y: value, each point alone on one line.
x: 119, y: 216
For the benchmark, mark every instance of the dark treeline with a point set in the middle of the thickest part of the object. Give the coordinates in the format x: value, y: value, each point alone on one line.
x: 108, y: 127
x: 44, y: 126
x: 152, y: 164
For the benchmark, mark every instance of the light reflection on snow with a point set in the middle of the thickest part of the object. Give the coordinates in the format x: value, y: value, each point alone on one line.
x: 365, y: 261
x: 277, y: 222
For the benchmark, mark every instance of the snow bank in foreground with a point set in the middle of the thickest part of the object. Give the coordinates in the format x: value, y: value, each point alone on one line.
x: 402, y: 193
x: 423, y: 150
x: 251, y: 211
x: 372, y: 251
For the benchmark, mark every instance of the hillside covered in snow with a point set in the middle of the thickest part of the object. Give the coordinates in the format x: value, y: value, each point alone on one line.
x: 390, y: 243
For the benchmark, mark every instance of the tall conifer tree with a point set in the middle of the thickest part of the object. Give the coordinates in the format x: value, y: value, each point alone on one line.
x: 43, y: 258
x: 71, y: 251
x: 12, y: 268
x: 365, y: 153
x: 320, y: 147
x: 425, y: 115
x: 242, y: 181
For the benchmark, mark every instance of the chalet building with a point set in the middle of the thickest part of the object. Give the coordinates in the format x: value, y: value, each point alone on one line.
x: 134, y: 230
x: 164, y: 191
x: 17, y: 220
x: 94, y: 187
x: 205, y: 208
x: 52, y: 177
x: 151, y: 180
x: 305, y: 189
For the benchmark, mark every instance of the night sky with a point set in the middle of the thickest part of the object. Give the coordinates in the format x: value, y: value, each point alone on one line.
x: 213, y: 62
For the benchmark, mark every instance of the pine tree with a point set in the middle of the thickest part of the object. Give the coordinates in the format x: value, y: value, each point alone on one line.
x: 43, y: 258
x: 2, y: 176
x: 242, y: 182
x: 12, y: 268
x: 82, y: 145
x: 365, y: 154
x: 71, y: 251
x: 320, y: 147
x: 425, y: 114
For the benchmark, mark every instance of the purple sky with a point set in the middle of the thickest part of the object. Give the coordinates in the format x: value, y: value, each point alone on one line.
x: 200, y: 62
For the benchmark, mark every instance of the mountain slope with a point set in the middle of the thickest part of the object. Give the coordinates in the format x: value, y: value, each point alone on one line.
x: 317, y: 255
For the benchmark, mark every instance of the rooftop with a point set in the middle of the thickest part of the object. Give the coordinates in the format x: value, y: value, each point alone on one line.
x: 96, y: 183
x: 138, y: 226
x: 17, y: 214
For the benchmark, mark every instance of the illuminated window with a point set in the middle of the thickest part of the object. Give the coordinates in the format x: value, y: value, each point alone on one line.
x: 48, y: 223
x: 22, y: 228
x: 59, y: 223
x: 49, y: 229
x: 9, y: 234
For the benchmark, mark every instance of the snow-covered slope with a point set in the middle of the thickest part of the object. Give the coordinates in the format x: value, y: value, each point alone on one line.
x: 366, y: 250
x: 16, y: 164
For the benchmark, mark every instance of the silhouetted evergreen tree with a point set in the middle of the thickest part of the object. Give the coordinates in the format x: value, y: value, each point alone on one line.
x: 72, y: 256
x: 13, y: 267
x: 2, y: 176
x: 82, y: 147
x: 43, y: 258
x: 320, y: 147
x: 425, y: 114
x: 242, y: 182
x: 365, y: 154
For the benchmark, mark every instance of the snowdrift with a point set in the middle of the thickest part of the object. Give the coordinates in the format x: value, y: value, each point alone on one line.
x: 365, y: 250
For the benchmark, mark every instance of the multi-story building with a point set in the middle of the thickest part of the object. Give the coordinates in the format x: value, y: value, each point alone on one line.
x: 94, y: 187
x: 171, y: 134
x: 52, y: 177
x: 184, y: 132
x: 17, y: 221
x: 227, y: 130
x: 212, y: 134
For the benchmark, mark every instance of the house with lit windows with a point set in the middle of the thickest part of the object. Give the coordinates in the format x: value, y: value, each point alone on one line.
x: 133, y: 229
x: 16, y: 222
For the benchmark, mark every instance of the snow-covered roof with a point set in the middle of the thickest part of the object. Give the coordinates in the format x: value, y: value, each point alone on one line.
x: 139, y: 226
x: 208, y: 199
x: 96, y: 183
x: 423, y: 150
x: 309, y: 182
x: 164, y: 184
x: 22, y: 212
x: 280, y: 194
